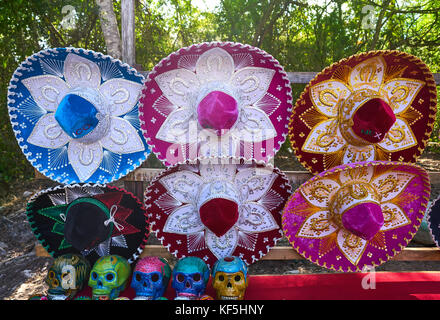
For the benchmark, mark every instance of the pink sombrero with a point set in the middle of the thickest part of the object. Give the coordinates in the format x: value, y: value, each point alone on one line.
x: 378, y: 105
x: 216, y: 210
x: 216, y: 99
x: 357, y: 215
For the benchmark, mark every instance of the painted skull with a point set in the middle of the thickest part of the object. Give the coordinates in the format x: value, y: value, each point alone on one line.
x: 109, y: 276
x: 190, y: 277
x: 150, y: 278
x: 67, y: 276
x: 230, y: 278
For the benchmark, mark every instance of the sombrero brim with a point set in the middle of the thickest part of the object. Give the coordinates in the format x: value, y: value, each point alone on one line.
x: 271, y: 107
x: 416, y: 114
x: 326, y: 247
x: 165, y: 208
x: 433, y: 221
x: 35, y: 91
x: 128, y: 243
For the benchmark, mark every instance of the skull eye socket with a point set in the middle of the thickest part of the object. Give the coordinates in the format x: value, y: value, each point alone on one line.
x: 94, y: 275
x: 196, y: 277
x: 221, y: 278
x: 109, y: 276
x: 237, y: 278
x: 180, y: 278
x: 138, y: 277
x: 51, y: 275
x: 154, y: 277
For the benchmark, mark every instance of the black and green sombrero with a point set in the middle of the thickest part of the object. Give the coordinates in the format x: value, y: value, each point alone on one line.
x: 92, y: 220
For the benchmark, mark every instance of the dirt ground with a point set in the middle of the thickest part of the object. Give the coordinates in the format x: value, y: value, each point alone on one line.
x: 22, y: 272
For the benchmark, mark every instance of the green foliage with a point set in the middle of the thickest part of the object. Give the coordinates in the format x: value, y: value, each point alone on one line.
x: 302, y: 35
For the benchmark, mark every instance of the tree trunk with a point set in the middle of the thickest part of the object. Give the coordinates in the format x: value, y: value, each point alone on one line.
x: 261, y: 26
x: 109, y: 26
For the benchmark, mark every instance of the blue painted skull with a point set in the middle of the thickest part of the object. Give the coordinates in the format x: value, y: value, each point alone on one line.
x: 150, y: 278
x: 190, y: 277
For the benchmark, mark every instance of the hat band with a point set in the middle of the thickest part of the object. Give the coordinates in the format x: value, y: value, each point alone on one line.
x: 113, y: 210
x: 217, y: 189
x: 347, y: 108
x: 349, y: 196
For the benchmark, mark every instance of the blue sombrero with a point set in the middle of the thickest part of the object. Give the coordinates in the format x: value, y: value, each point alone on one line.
x: 74, y: 113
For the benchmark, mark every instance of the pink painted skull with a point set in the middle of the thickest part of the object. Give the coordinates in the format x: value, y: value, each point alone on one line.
x: 150, y: 278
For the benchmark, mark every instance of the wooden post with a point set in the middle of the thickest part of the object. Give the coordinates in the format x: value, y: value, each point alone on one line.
x: 129, y: 56
x: 127, y: 30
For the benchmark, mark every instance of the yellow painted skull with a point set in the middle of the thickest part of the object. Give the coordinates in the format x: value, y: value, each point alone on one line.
x: 230, y: 278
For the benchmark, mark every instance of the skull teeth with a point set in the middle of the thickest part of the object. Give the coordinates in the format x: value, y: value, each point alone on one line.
x: 229, y: 298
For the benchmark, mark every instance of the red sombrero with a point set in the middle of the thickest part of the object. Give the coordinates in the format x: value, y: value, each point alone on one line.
x: 379, y: 105
x: 216, y: 99
x: 216, y: 210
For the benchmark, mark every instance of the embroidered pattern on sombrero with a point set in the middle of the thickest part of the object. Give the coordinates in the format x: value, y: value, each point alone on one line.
x: 433, y: 220
x: 216, y: 210
x: 379, y: 105
x: 74, y: 113
x: 357, y: 215
x: 216, y: 99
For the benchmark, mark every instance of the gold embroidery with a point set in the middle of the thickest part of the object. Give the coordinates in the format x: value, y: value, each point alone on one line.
x: 326, y: 138
x: 388, y: 215
x: 326, y: 94
x: 404, y: 90
x: 311, y: 117
x: 410, y: 115
x: 320, y: 192
x: 327, y: 243
x: 368, y: 73
x: 387, y: 185
x: 352, y: 241
x: 319, y: 225
x: 394, y: 71
x: 396, y: 135
x: 342, y: 73
x: 333, y: 159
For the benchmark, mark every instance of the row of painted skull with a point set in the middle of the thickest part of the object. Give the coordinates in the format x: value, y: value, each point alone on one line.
x: 215, y: 114
x: 111, y: 275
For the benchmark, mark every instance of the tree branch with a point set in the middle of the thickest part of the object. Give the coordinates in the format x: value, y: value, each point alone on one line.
x: 379, y: 24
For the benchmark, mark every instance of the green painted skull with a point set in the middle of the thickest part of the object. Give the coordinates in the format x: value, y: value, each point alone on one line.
x: 108, y: 277
x: 67, y: 276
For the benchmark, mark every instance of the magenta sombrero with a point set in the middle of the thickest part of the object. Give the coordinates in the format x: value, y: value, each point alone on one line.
x: 216, y: 210
x: 378, y: 105
x: 216, y: 99
x: 357, y: 215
